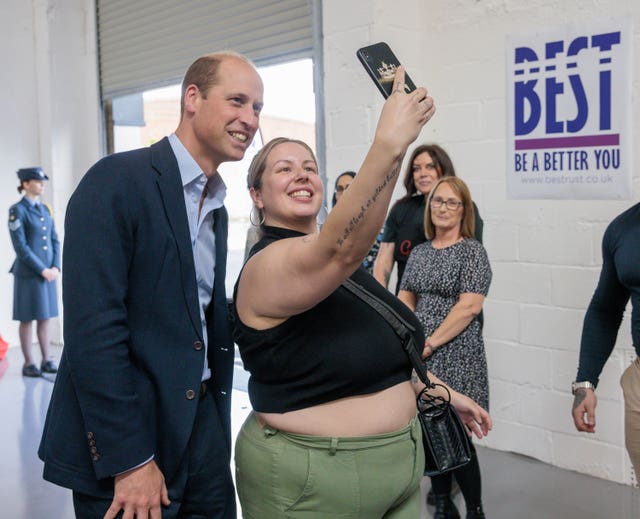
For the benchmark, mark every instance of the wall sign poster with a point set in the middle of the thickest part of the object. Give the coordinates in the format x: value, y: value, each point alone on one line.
x: 569, y: 112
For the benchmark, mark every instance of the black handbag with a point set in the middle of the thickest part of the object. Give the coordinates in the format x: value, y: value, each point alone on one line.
x: 445, y: 439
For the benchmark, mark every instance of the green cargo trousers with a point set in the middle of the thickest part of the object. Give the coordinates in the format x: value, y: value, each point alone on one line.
x: 284, y: 475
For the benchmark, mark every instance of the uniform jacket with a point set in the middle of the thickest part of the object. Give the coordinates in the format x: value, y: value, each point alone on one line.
x: 129, y: 377
x: 34, y: 239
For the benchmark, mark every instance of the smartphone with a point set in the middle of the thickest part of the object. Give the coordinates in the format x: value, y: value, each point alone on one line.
x: 381, y: 63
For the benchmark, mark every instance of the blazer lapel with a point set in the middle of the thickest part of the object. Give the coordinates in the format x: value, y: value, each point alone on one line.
x: 171, y: 191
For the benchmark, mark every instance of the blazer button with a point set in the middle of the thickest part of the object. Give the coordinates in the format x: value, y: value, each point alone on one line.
x: 190, y: 394
x: 90, y: 435
x: 93, y: 450
x: 197, y: 345
x: 95, y: 457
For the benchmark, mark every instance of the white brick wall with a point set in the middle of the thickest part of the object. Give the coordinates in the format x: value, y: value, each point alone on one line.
x: 545, y: 255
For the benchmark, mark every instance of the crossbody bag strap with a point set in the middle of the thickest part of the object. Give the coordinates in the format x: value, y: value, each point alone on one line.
x: 401, y: 327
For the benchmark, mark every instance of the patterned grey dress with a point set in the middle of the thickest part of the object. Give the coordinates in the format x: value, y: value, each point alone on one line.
x: 437, y: 277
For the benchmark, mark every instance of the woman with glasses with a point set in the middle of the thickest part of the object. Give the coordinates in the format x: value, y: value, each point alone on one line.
x: 445, y: 283
x: 404, y: 229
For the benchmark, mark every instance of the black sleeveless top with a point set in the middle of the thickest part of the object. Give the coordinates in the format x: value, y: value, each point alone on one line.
x: 339, y: 348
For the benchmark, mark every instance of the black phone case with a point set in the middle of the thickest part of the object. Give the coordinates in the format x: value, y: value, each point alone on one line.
x: 380, y: 63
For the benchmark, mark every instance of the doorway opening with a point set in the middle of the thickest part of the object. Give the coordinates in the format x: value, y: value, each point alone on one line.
x: 142, y: 119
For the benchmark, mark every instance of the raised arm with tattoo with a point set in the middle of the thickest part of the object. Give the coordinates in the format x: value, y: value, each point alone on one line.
x: 322, y: 362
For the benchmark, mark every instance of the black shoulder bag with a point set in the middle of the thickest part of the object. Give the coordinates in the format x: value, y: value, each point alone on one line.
x: 445, y: 440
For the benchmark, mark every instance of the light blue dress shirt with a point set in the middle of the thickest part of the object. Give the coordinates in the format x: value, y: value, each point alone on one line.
x: 203, y: 239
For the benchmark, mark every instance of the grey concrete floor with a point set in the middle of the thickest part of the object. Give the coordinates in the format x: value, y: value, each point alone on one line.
x: 514, y: 487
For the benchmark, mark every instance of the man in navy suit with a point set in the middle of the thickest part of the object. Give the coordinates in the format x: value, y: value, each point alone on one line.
x: 139, y: 420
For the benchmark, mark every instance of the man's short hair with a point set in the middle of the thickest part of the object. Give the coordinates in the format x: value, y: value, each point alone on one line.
x: 203, y: 73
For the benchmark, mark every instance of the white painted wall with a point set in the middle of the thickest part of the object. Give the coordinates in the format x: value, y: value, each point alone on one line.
x: 50, y: 113
x: 545, y: 254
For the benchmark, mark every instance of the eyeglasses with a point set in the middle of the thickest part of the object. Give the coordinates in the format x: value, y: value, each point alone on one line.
x: 451, y: 204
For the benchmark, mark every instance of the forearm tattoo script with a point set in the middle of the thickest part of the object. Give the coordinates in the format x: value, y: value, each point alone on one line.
x: 353, y: 223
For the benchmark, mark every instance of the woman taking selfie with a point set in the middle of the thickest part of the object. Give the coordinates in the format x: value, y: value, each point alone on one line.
x: 445, y: 283
x: 334, y: 430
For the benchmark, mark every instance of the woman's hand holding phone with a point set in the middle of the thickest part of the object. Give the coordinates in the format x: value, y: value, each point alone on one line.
x: 403, y: 115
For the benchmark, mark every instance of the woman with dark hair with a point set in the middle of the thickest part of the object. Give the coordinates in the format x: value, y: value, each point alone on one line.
x: 342, y: 183
x: 445, y: 282
x: 333, y: 431
x: 403, y: 229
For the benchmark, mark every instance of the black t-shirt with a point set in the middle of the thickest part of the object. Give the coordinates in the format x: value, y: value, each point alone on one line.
x: 339, y: 348
x: 404, y: 228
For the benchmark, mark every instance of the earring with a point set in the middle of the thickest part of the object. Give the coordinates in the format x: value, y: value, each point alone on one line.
x: 251, y: 218
x: 322, y: 215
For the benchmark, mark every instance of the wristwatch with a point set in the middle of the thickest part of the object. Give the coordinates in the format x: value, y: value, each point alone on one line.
x: 581, y: 385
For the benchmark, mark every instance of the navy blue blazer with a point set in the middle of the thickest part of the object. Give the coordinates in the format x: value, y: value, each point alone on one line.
x: 130, y: 372
x: 34, y: 239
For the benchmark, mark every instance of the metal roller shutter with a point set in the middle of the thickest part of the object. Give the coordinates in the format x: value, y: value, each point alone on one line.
x: 146, y: 44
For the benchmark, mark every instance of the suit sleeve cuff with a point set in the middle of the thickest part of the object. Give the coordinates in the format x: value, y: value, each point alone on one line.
x: 132, y: 468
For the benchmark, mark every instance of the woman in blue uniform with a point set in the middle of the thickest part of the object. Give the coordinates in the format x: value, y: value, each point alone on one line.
x: 35, y: 269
